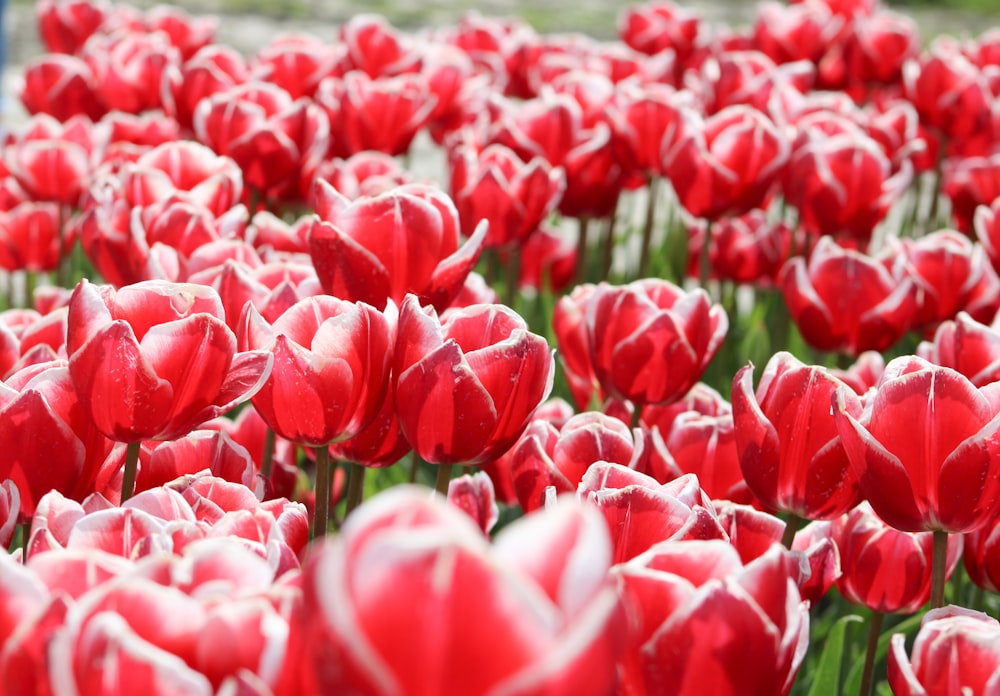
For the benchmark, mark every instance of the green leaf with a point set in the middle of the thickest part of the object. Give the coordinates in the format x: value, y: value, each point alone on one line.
x: 826, y: 678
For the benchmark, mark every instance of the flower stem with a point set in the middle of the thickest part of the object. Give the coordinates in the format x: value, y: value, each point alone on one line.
x: 414, y: 466
x: 647, y: 228
x: 581, y: 251
x: 443, y: 478
x: 874, y: 629
x: 608, y: 249
x: 705, y: 260
x: 355, y: 487
x: 513, y: 277
x: 324, y: 480
x: 131, y: 468
x: 791, y: 527
x: 268, y: 455
x: 938, y: 562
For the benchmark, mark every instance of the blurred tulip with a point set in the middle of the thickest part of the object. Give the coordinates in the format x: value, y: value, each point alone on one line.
x: 549, y: 456
x: 10, y: 512
x: 925, y: 450
x: 970, y: 182
x: 278, y: 142
x: 949, y: 91
x: 640, y: 512
x: 129, y: 68
x: 727, y: 164
x: 331, y: 368
x: 790, y: 450
x: 376, y: 47
x: 884, y: 569
x: 61, y: 86
x: 955, y: 652
x: 364, y: 174
x: 65, y: 25
x: 967, y: 346
x: 52, y: 443
x: 31, y: 238
x: 215, y: 68
x: 52, y: 160
x: 743, y: 627
x: 465, y: 389
x: 650, y: 340
x: 513, y: 195
x: 376, y: 249
x: 474, y: 600
x: 155, y: 359
x: 871, y: 313
x: 473, y: 494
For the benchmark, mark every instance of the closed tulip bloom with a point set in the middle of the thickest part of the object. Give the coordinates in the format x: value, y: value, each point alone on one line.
x: 702, y: 622
x: 870, y: 313
x: 331, y: 368
x: 534, y: 613
x: 926, y: 449
x: 788, y: 442
x: 726, y: 164
x: 380, y: 248
x: 956, y: 652
x: 967, y: 346
x: 155, y: 359
x: 466, y: 389
x: 885, y: 569
x: 650, y: 340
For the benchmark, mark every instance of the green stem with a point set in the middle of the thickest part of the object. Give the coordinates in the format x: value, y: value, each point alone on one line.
x: 513, y: 277
x: 874, y: 630
x: 636, y: 421
x: 30, y: 283
x: 62, y: 269
x: 443, y: 478
x: 608, y: 248
x: 267, y: 457
x: 355, y: 487
x: 705, y: 261
x: 581, y: 250
x: 791, y: 527
x: 131, y: 469
x: 21, y: 537
x: 414, y: 466
x: 324, y: 482
x: 647, y: 228
x: 939, y: 559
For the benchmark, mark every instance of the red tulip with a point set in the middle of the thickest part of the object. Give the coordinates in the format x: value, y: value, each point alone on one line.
x: 750, y: 78
x: 473, y: 494
x: 31, y: 238
x: 640, y: 512
x: 376, y: 47
x: 646, y: 119
x: 65, y: 25
x: 727, y: 164
x: 61, y: 86
x: 954, y: 653
x: 970, y: 182
x: 381, y: 248
x: 296, y: 63
x: 656, y: 26
x: 840, y: 180
x: 700, y: 621
x: 650, y: 340
x: 215, y: 68
x: 787, y: 33
x: 871, y: 313
x: 367, y: 113
x: 967, y: 346
x: 885, y: 569
x: 331, y: 368
x: 52, y: 160
x: 547, y: 456
x: 129, y: 68
x: 369, y: 592
x: 495, y: 185
x: 789, y: 446
x: 155, y: 359
x: 10, y: 511
x: 949, y: 92
x: 572, y: 339
x: 926, y: 450
x: 186, y: 33
x: 51, y: 442
x: 876, y: 47
x: 465, y: 389
x: 367, y: 173
x: 278, y: 142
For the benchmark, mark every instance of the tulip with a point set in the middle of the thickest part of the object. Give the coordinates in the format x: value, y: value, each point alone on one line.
x: 473, y: 494
x: 547, y: 456
x: 871, y: 313
x: 376, y: 249
x: 369, y: 593
x: 884, y: 569
x: 52, y: 161
x: 495, y: 185
x: 967, y: 346
x: 970, y: 182
x: 640, y: 512
x: 66, y: 25
x: 331, y: 368
x: 700, y: 621
x: 376, y: 47
x: 926, y: 450
x: 654, y: 26
x: 10, y: 511
x: 950, y: 93
x: 215, y: 68
x: 129, y: 68
x: 650, y: 340
x: 154, y: 360
x: 955, y: 652
x: 789, y: 445
x: 61, y: 86
x: 465, y: 389
x: 727, y: 164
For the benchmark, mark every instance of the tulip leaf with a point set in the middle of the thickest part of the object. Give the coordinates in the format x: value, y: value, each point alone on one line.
x: 826, y: 678
x: 909, y: 626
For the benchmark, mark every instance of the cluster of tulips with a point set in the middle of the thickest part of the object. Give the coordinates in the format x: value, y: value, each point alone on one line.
x: 246, y: 323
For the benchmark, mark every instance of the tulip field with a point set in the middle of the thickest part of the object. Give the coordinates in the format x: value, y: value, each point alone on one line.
x: 479, y: 360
